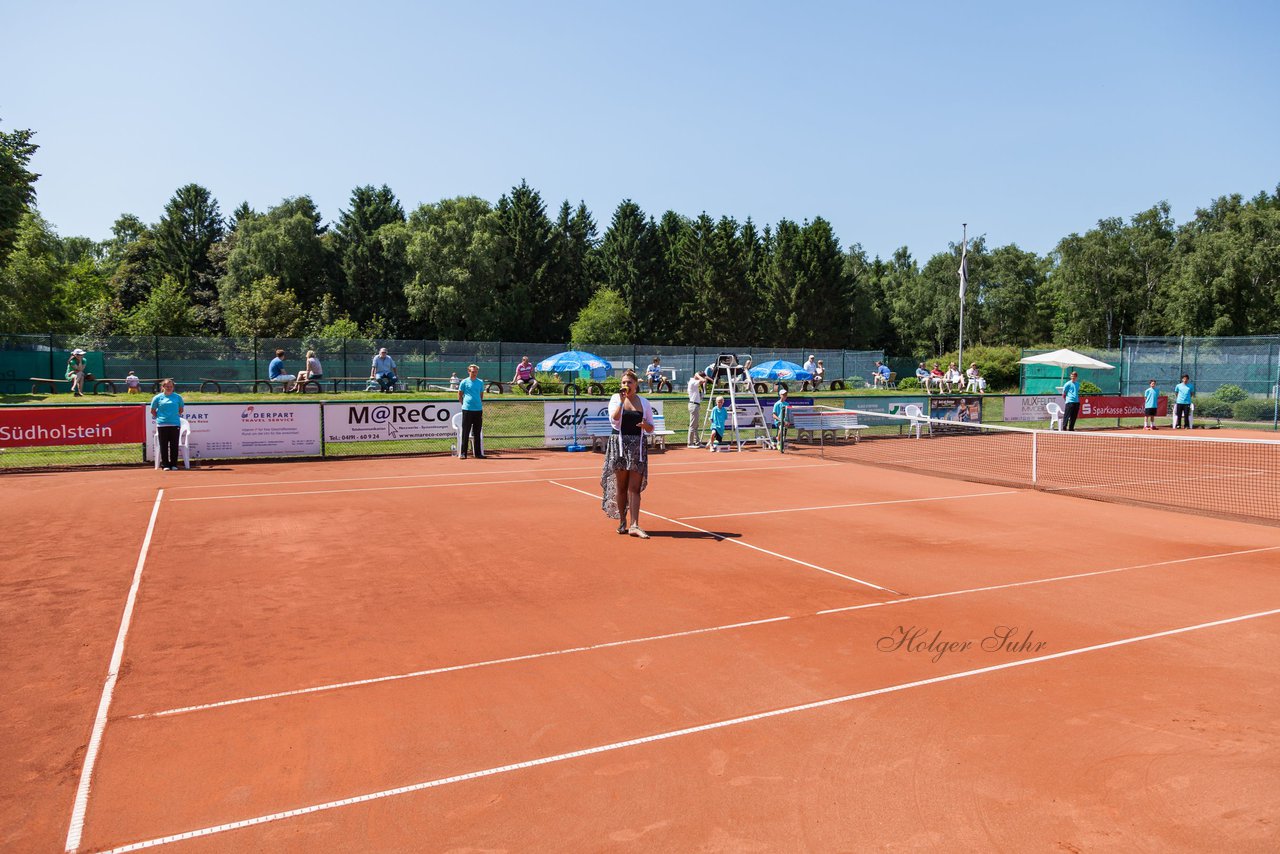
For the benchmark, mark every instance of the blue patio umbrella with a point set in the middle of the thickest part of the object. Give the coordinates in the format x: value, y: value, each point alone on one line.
x: 780, y: 369
x: 574, y: 361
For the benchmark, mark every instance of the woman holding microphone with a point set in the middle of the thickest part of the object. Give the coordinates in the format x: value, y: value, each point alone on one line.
x: 626, y: 463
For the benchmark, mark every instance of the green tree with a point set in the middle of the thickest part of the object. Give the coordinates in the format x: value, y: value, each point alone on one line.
x: 1226, y: 276
x: 374, y: 270
x: 628, y: 260
x: 191, y: 224
x: 286, y: 244
x: 167, y: 310
x: 602, y: 320
x: 29, y: 279
x: 264, y: 309
x: 17, y: 185
x: 1009, y: 291
x: 573, y: 272
x: 453, y: 250
x: 528, y: 302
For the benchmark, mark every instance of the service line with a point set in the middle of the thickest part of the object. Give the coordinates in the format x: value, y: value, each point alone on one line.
x: 677, y: 733
x: 686, y: 633
x: 857, y: 504
x: 742, y: 543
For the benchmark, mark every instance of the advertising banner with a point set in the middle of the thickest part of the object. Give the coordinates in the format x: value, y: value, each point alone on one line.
x: 249, y: 430
x: 559, y: 418
x: 380, y: 422
x: 887, y: 405
x: 23, y: 427
x: 962, y: 410
x: 1029, y: 407
x: 1096, y: 406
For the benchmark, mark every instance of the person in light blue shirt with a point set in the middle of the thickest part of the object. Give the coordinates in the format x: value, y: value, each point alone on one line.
x: 880, y: 378
x: 384, y: 370
x: 471, y: 396
x: 719, y: 417
x: 167, y: 408
x: 1150, y: 406
x: 1182, y: 399
x: 1071, y: 399
x: 781, y: 414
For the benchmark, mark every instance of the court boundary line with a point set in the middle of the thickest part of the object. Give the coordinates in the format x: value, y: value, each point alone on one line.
x: 470, y: 483
x: 75, y: 831
x: 437, y: 474
x: 857, y: 504
x: 737, y: 541
x: 373, y: 680
x: 671, y: 734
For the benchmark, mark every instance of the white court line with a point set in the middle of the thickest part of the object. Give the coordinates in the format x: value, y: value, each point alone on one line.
x: 470, y: 473
x: 745, y: 545
x: 76, y: 830
x: 450, y: 669
x: 1034, y: 581
x: 594, y: 476
x: 903, y: 601
x: 670, y: 734
x: 858, y: 504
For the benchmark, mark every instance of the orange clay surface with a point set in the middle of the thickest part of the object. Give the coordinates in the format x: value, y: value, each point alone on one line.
x: 289, y: 579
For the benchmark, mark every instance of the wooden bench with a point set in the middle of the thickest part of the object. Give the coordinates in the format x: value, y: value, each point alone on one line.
x: 599, y: 430
x: 823, y: 426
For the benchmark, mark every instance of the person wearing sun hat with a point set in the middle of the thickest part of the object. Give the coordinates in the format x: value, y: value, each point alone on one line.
x: 76, y: 372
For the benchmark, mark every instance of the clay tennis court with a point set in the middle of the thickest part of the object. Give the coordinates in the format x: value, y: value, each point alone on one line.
x: 424, y: 654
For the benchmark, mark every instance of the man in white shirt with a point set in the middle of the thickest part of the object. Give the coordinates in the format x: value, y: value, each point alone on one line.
x: 695, y: 400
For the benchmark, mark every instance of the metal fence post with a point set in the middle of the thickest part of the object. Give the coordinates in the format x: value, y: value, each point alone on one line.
x: 256, y: 376
x: 156, y: 341
x: 345, y: 372
x: 51, y: 373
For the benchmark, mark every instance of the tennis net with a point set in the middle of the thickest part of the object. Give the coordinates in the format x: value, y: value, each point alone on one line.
x: 1228, y: 477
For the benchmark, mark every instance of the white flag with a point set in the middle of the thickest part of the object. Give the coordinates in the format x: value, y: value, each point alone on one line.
x: 964, y: 269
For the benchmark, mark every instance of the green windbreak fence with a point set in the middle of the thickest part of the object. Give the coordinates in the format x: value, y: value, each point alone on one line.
x: 1047, y: 379
x: 1252, y: 363
x: 242, y: 361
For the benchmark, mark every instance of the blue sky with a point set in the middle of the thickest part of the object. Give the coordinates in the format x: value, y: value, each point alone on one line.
x: 895, y: 121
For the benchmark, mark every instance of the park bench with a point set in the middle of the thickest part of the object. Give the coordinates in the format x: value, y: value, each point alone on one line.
x: 598, y: 429
x: 813, y: 426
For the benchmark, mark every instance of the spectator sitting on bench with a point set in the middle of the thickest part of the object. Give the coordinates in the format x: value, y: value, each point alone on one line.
x: 880, y: 376
x: 953, y: 377
x: 819, y: 373
x: 76, y: 372
x: 525, y: 377
x: 653, y: 376
x: 313, y: 371
x: 132, y: 384
x: 275, y: 371
x: 384, y: 371
x: 922, y: 375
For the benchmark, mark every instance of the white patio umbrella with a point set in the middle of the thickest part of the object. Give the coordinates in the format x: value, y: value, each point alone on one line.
x: 1067, y: 359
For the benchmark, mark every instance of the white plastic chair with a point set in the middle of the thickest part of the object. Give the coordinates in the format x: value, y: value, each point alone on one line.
x: 1055, y: 415
x: 916, y: 414
x: 457, y: 429
x: 184, y: 442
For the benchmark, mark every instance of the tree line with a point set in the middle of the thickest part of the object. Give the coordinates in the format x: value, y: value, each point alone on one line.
x: 514, y: 270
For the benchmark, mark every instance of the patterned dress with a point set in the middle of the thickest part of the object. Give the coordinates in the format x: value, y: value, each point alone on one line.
x: 625, y: 451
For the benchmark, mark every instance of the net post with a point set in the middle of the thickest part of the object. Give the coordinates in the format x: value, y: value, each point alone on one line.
x: 1035, y: 444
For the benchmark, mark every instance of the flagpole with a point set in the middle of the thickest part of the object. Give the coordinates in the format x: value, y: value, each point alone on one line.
x: 964, y: 277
